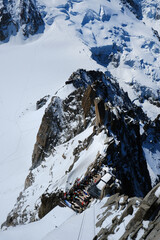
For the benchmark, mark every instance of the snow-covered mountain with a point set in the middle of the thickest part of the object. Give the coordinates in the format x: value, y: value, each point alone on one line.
x: 22, y: 15
x: 97, y: 152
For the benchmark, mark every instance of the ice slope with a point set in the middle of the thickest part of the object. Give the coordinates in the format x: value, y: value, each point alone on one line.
x: 29, y: 71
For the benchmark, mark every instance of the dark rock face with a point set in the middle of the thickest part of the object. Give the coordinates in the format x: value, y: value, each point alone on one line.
x: 49, y: 131
x: 27, y: 18
x: 134, y: 6
x: 99, y: 111
x: 8, y: 26
x: 121, y: 118
x: 29, y: 180
x: 106, y: 54
x: 88, y: 99
x: 30, y: 19
x: 48, y: 202
x: 127, y: 156
x: 42, y: 102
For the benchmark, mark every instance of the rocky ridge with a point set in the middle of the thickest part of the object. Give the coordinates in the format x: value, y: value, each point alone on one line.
x: 99, y: 109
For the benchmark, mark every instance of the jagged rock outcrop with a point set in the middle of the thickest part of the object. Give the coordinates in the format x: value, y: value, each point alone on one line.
x: 49, y: 131
x: 31, y: 20
x: 144, y: 215
x: 8, y: 25
x: 23, y: 16
x: 26, y: 216
x: 56, y: 126
x: 122, y: 207
x: 88, y: 98
x: 40, y: 103
x: 48, y: 202
x: 149, y: 210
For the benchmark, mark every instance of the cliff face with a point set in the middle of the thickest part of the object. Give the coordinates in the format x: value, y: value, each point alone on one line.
x: 8, y: 25
x: 19, y: 15
x: 62, y: 121
x: 31, y: 20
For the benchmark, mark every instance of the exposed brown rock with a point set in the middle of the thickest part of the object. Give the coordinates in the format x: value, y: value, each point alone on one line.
x: 99, y: 111
x: 88, y: 99
x: 45, y: 135
x: 147, y: 209
x: 56, y: 125
x: 29, y: 180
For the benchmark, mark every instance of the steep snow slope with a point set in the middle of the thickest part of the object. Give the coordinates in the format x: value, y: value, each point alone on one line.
x: 30, y: 71
x: 39, y: 230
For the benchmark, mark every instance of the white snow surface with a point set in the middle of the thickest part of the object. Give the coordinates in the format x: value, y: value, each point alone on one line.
x: 55, y: 219
x: 60, y: 223
x: 63, y: 223
x: 152, y: 164
x: 157, y: 193
x: 39, y: 66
